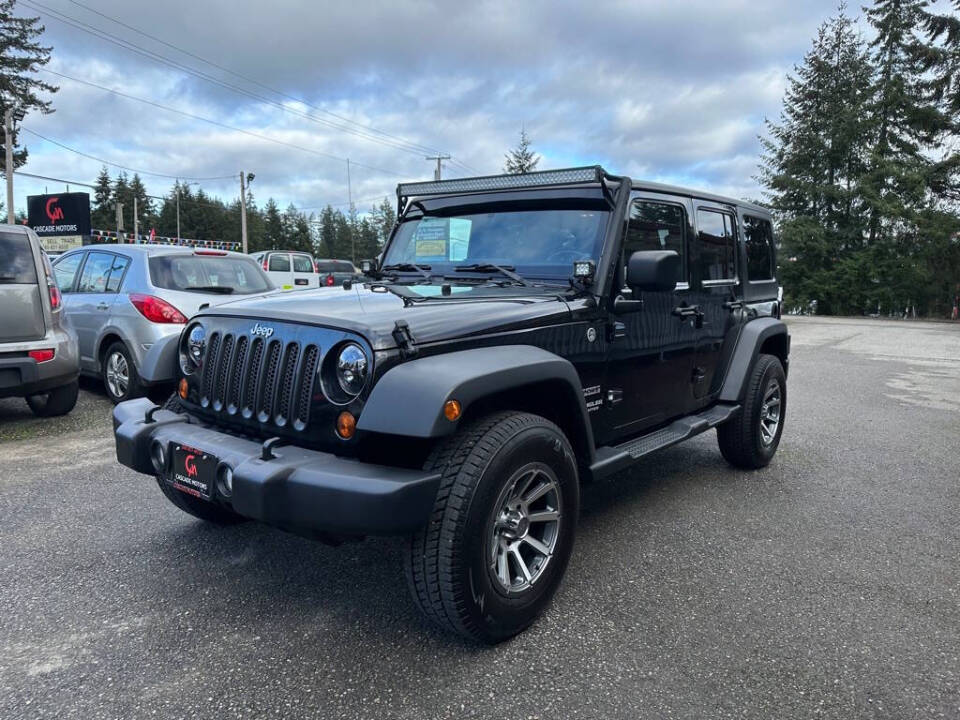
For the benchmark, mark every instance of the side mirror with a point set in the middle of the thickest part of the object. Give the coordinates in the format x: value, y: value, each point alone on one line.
x: 653, y: 270
x: 368, y: 267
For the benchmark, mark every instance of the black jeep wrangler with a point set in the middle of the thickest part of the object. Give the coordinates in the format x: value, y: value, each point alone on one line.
x: 520, y: 335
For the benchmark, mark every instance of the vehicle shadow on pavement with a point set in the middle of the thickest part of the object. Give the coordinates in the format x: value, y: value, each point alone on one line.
x: 265, y: 578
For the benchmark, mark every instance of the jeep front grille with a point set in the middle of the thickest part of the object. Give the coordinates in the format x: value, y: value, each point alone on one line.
x: 267, y: 380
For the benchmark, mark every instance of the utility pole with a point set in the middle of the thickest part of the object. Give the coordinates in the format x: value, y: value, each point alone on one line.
x: 178, y: 210
x: 119, y: 208
x: 8, y: 162
x: 136, y: 223
x: 438, y: 158
x: 353, y: 230
x: 243, y: 210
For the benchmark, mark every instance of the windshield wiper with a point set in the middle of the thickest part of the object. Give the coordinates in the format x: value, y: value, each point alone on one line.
x: 507, y: 270
x: 221, y: 289
x: 409, y: 267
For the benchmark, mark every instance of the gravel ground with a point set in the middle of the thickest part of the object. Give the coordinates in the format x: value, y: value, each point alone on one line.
x: 826, y: 585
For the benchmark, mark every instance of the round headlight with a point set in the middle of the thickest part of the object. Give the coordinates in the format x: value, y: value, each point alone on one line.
x: 191, y: 355
x: 352, y: 369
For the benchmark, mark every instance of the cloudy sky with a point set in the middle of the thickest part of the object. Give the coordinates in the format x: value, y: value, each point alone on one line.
x: 671, y: 91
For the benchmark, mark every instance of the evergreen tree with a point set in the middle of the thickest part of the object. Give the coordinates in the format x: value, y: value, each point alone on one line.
x: 521, y: 160
x: 21, y: 55
x: 102, y: 216
x: 813, y: 162
x: 273, y: 226
x: 121, y: 194
x: 383, y: 217
x: 940, y: 61
x: 326, y: 242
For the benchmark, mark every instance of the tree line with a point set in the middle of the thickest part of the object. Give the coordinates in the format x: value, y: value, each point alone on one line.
x: 331, y: 233
x: 862, y: 167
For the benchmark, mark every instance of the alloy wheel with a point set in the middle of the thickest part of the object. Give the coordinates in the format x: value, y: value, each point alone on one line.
x: 770, y: 413
x: 525, y: 527
x: 118, y: 374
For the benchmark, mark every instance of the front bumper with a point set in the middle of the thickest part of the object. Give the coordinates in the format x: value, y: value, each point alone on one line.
x: 298, y: 489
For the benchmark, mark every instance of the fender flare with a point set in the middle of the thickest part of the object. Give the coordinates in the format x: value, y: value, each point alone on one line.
x: 408, y: 400
x: 752, y: 337
x: 160, y: 363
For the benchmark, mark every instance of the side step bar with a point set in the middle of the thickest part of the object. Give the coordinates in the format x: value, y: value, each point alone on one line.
x: 611, y: 459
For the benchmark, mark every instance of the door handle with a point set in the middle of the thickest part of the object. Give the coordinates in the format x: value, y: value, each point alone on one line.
x: 103, y: 306
x: 733, y: 304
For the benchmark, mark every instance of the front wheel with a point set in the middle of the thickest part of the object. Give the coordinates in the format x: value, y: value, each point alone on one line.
x: 501, y: 533
x: 750, y: 440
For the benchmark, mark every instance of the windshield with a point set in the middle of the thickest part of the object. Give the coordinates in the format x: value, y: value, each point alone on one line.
x: 204, y: 273
x: 537, y: 243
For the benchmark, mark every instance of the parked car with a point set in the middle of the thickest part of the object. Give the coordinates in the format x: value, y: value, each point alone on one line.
x: 38, y: 354
x: 521, y: 335
x: 289, y: 270
x: 334, y: 272
x: 122, y: 299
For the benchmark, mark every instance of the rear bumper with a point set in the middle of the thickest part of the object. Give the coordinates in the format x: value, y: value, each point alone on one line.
x: 299, y: 490
x: 21, y: 375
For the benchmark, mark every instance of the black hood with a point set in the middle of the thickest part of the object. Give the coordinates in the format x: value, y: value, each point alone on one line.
x: 374, y: 312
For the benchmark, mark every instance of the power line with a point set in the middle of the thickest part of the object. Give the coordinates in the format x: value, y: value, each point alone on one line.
x: 118, y: 165
x: 96, y: 32
x: 413, y: 145
x: 219, y: 124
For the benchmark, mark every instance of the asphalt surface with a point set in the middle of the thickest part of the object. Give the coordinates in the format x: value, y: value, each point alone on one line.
x: 825, y: 586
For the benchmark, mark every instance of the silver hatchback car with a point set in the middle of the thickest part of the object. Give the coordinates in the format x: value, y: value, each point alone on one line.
x: 122, y: 299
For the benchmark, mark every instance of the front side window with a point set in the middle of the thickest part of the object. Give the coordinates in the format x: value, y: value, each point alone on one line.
x: 65, y: 270
x: 96, y: 273
x: 758, y: 237
x: 537, y: 243
x: 279, y: 262
x: 302, y: 264
x: 655, y: 226
x: 717, y: 245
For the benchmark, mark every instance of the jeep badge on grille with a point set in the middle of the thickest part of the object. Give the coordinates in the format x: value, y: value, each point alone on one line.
x: 261, y: 330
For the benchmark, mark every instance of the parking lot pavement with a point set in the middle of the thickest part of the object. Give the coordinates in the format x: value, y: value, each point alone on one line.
x: 826, y: 585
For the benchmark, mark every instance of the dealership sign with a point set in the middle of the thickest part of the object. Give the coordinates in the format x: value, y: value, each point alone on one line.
x: 62, y: 214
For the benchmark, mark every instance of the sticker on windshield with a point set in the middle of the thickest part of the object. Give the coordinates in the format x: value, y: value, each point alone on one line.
x: 431, y: 239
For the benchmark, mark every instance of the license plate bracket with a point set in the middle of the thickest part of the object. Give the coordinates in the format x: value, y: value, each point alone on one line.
x: 192, y: 471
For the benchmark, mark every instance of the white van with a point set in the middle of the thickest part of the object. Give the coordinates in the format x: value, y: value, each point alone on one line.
x: 289, y: 270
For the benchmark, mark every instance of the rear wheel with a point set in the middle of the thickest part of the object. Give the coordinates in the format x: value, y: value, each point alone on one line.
x: 58, y: 401
x: 497, y: 544
x: 750, y: 440
x: 203, y: 509
x: 120, y: 377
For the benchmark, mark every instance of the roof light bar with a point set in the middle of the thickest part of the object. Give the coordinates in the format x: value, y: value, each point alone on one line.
x: 570, y: 176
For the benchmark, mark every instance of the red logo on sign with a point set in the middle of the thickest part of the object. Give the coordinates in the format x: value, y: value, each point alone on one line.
x: 190, y: 466
x: 53, y: 211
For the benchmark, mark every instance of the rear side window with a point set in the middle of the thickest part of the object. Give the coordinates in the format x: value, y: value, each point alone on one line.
x: 758, y: 237
x: 95, y: 276
x: 280, y: 263
x: 208, y: 273
x: 655, y: 226
x: 16, y: 260
x: 65, y: 270
x: 302, y: 263
x: 326, y: 267
x: 717, y: 245
x: 116, y: 273
x: 343, y: 266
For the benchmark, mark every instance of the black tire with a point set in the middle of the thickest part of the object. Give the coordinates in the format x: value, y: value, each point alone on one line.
x: 446, y: 562
x: 742, y: 440
x: 202, y: 509
x: 58, y: 401
x: 134, y: 387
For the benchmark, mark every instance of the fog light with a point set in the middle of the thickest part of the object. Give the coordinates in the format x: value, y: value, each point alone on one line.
x: 182, y: 388
x: 158, y: 456
x: 346, y: 425
x: 225, y: 480
x: 452, y: 410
